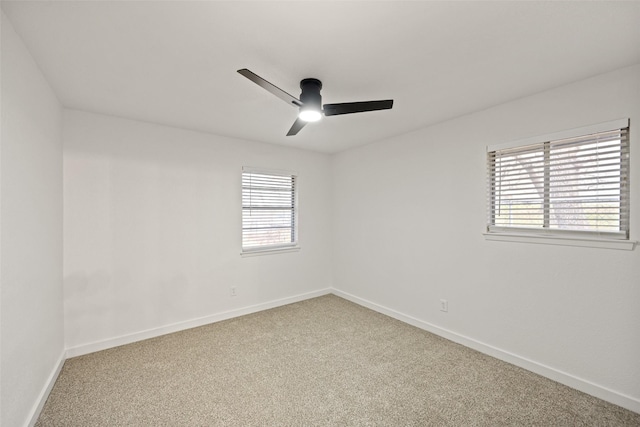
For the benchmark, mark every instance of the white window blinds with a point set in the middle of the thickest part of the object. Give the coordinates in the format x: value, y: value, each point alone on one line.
x: 577, y: 184
x: 268, y: 210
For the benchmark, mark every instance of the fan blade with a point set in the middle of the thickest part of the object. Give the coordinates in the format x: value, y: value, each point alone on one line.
x: 297, y: 125
x: 356, y: 107
x: 289, y: 99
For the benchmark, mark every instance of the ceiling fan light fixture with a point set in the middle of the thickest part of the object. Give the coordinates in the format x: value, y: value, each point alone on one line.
x: 310, y: 115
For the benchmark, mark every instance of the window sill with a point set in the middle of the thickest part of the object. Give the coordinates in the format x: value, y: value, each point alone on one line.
x: 269, y: 251
x: 625, y: 245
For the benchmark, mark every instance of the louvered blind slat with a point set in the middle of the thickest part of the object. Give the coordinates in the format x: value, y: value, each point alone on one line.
x: 577, y: 184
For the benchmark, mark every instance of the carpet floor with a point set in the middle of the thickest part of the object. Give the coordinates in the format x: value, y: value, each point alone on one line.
x: 319, y: 362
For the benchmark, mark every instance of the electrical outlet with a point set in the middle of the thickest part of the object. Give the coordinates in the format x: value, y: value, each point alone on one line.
x: 444, y: 305
x: 233, y: 291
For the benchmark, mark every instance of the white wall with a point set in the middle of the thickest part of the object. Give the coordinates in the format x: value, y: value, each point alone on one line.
x: 152, y: 219
x: 31, y: 229
x: 409, y: 213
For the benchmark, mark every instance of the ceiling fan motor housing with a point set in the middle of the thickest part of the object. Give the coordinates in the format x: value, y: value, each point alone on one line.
x: 310, y: 96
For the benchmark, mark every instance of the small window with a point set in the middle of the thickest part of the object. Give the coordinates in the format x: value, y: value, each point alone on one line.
x: 575, y: 184
x: 269, y: 210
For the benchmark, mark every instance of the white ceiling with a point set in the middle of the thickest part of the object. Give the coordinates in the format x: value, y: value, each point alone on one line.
x: 175, y: 62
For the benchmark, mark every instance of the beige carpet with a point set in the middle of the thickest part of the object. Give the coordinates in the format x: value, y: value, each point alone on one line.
x: 321, y: 362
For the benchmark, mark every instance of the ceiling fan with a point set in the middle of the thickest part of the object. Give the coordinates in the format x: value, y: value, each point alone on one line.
x: 310, y: 102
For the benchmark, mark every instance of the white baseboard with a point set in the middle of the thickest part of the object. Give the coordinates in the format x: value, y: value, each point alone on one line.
x: 188, y: 324
x: 572, y: 381
x: 44, y: 393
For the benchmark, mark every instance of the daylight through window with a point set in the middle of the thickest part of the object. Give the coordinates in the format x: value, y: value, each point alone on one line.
x: 577, y: 184
x: 268, y: 210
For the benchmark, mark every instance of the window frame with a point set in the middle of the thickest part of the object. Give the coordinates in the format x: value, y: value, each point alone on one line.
x: 276, y: 247
x: 612, y: 240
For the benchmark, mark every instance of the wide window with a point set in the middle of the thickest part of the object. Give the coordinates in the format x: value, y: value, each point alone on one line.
x: 269, y: 210
x: 574, y: 184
